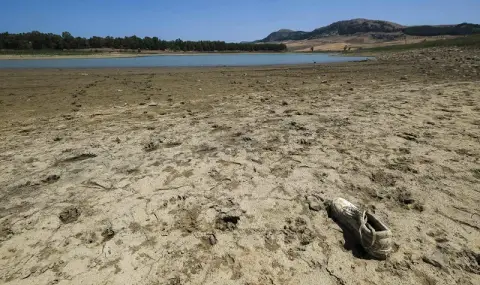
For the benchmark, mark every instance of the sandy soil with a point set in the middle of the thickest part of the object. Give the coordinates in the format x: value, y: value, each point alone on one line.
x: 218, y: 175
x: 337, y: 43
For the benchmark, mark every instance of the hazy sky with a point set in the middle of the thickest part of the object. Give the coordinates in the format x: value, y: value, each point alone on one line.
x: 228, y: 20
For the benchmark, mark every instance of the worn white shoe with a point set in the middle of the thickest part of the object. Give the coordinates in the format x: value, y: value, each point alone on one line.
x: 375, y: 237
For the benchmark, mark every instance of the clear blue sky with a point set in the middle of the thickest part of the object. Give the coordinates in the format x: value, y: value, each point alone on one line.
x: 228, y: 20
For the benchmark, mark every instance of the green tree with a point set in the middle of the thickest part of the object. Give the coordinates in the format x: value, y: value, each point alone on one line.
x: 38, y: 40
x: 68, y: 40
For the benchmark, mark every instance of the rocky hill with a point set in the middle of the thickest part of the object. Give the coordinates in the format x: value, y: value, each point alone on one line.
x: 355, y: 26
x: 347, y: 27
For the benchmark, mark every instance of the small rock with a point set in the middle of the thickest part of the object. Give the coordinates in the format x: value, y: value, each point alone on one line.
x: 314, y: 203
x: 304, y: 142
x: 324, y: 81
x: 435, y: 260
x: 174, y: 281
x: 152, y: 104
x: 284, y: 103
x: 108, y: 234
x: 404, y: 77
x: 405, y: 197
x: 418, y: 206
x: 51, y: 178
x: 212, y: 239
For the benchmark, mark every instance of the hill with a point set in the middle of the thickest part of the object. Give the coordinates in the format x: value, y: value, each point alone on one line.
x: 347, y: 27
x: 350, y: 27
x: 283, y: 35
x: 462, y: 29
x: 356, y: 26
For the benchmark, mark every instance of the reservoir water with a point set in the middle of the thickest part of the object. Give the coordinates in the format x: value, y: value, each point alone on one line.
x: 179, y: 60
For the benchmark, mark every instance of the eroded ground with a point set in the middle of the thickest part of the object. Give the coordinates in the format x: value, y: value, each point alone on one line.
x: 218, y: 175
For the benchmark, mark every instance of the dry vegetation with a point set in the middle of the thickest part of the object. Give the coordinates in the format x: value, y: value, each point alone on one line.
x: 363, y: 41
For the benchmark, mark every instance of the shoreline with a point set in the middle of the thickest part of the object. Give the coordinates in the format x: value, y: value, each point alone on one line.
x: 207, y: 67
x: 118, y: 55
x: 212, y: 68
x: 348, y: 59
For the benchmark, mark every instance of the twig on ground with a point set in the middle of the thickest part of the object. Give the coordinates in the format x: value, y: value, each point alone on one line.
x: 171, y: 188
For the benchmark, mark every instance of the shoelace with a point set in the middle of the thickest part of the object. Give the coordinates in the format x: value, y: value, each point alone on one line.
x: 363, y: 222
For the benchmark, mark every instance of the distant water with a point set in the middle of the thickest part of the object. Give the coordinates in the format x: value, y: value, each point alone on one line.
x: 179, y: 61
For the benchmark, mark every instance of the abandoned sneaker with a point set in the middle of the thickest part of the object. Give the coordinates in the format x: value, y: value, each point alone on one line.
x: 345, y: 213
x: 374, y: 236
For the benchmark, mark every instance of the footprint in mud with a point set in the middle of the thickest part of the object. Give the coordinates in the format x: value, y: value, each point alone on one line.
x: 87, y: 237
x: 51, y: 179
x: 402, y: 164
x: 271, y: 241
x: 5, y: 232
x: 281, y: 171
x: 227, y: 221
x: 405, y: 197
x: 476, y: 173
x: 150, y: 146
x: 187, y: 221
x: 446, y: 257
x: 383, y: 178
x: 439, y: 235
x: 304, y: 142
x: 298, y: 230
x: 69, y: 215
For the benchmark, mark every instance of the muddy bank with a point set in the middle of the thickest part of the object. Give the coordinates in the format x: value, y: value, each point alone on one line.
x: 218, y: 175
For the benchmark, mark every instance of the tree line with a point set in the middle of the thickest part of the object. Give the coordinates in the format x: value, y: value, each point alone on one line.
x: 47, y: 41
x: 462, y: 29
